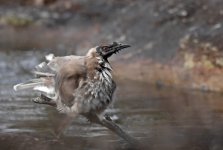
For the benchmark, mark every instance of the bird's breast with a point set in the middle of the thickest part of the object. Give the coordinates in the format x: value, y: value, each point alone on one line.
x: 95, y: 94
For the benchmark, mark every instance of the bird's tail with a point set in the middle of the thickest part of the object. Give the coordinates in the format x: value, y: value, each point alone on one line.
x: 42, y: 85
x: 31, y: 84
x: 44, y: 81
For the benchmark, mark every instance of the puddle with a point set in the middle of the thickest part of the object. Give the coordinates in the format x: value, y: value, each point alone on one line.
x: 161, y: 118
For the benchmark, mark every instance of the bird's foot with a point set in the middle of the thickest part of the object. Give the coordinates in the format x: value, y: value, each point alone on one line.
x: 112, y: 117
x: 44, y: 100
x: 38, y: 100
x: 107, y: 117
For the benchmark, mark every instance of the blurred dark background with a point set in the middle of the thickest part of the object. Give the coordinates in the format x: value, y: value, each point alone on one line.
x: 179, y: 40
x: 170, y: 91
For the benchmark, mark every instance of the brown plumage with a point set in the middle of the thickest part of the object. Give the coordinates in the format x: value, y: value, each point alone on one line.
x: 78, y: 85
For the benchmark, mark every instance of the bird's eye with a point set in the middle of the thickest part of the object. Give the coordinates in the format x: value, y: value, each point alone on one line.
x: 105, y: 48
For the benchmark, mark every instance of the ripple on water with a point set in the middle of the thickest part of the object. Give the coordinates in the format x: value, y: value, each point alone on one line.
x: 162, y: 117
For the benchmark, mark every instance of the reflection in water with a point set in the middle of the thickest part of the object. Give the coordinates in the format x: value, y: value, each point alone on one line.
x: 161, y: 118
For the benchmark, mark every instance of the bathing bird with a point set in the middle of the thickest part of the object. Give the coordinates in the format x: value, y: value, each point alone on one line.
x: 79, y: 85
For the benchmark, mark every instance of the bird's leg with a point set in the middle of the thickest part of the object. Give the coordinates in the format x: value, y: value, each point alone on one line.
x: 63, y: 125
x: 107, y: 122
x: 116, y: 129
x: 44, y: 100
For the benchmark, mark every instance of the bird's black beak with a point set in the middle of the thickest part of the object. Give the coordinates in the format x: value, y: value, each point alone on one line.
x: 108, y: 50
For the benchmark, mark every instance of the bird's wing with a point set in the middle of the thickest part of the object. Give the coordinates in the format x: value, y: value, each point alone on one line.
x: 67, y: 71
x: 46, y: 72
x: 69, y: 76
x: 57, y: 79
x: 57, y: 63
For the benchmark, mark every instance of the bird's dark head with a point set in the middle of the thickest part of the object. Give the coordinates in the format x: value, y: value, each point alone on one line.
x: 108, y: 50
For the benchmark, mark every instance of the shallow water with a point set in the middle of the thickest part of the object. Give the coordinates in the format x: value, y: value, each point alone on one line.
x: 159, y: 117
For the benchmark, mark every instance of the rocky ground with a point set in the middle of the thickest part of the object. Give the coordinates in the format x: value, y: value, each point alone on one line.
x: 174, y: 43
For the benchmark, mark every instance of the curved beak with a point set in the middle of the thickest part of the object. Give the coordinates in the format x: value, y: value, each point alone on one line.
x: 107, y: 51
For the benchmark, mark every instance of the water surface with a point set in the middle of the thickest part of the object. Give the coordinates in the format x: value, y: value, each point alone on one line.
x: 159, y: 117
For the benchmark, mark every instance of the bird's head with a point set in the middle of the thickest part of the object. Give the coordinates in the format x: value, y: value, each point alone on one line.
x: 108, y: 50
x: 105, y: 51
